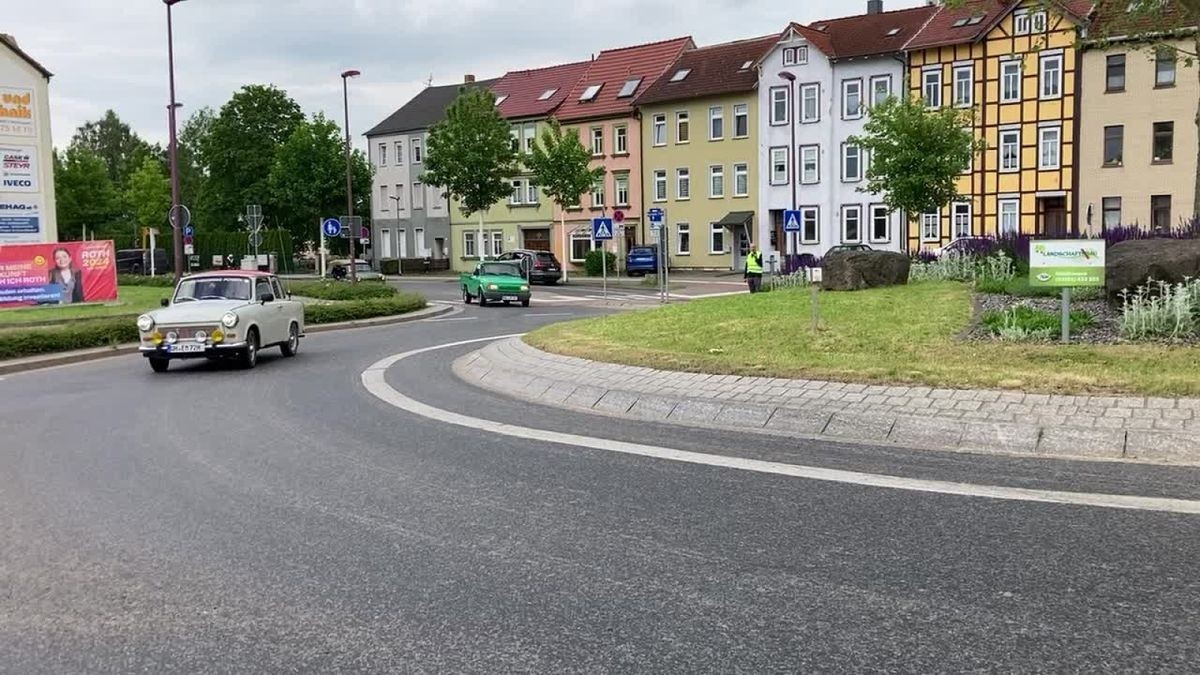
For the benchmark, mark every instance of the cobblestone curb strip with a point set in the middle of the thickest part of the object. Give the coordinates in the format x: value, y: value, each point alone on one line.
x: 996, y: 422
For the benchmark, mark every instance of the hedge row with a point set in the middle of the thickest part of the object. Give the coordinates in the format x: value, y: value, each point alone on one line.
x: 20, y: 342
x: 160, y: 281
x: 402, y: 303
x: 340, y: 290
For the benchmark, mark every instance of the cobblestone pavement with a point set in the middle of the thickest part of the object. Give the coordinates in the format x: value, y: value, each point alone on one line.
x: 1098, y: 427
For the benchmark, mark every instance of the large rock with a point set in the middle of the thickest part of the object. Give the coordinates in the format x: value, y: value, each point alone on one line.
x: 1130, y: 264
x: 856, y: 270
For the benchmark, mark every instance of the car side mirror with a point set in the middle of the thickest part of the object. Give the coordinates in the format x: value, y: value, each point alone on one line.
x: 268, y: 298
x: 165, y: 302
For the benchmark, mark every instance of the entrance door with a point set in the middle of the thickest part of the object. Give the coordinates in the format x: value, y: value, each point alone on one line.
x: 742, y: 249
x: 537, y: 239
x: 1053, y: 215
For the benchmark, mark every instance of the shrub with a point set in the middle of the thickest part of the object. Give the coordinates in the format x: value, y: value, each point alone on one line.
x: 354, y: 310
x: 389, y: 266
x: 340, y: 290
x: 160, y: 281
x: 1022, y: 322
x: 781, y: 281
x: 593, y: 265
x: 1160, y: 310
x: 16, y: 343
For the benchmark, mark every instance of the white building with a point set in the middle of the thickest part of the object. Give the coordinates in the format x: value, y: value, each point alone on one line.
x: 27, y: 213
x: 815, y: 91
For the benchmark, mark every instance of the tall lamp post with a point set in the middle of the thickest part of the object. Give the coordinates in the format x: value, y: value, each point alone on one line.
x: 349, y: 174
x: 173, y: 151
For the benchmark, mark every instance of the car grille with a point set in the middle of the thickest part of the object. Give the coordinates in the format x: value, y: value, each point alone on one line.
x: 186, y: 332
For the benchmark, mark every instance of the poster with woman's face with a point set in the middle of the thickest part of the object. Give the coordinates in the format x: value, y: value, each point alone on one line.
x: 57, y: 274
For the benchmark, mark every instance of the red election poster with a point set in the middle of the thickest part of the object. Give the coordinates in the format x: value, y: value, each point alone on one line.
x: 57, y: 274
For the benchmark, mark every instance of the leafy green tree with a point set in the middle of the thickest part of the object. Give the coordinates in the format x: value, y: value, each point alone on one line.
x: 148, y: 196
x: 917, y: 155
x: 561, y: 167
x: 470, y: 155
x: 118, y: 146
x: 84, y: 193
x: 193, y: 171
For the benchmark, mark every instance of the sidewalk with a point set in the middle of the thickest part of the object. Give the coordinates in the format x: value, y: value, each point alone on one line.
x: 978, y: 421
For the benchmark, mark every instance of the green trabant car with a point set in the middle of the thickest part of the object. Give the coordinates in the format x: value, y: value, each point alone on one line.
x: 495, y: 282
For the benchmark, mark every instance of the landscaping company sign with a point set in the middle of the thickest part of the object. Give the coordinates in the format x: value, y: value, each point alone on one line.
x: 16, y: 112
x: 1066, y: 263
x: 57, y: 274
x: 18, y: 168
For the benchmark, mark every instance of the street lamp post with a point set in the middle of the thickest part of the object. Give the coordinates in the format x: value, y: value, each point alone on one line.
x: 349, y: 174
x: 173, y: 150
x: 399, y: 259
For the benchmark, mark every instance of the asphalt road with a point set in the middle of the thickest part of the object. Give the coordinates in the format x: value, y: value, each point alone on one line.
x: 285, y: 520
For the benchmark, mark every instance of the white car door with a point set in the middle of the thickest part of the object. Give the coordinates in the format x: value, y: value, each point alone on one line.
x: 289, y: 310
x: 269, y: 315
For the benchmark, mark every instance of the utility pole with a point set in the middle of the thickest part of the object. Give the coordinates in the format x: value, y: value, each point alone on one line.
x: 349, y: 173
x: 174, y: 216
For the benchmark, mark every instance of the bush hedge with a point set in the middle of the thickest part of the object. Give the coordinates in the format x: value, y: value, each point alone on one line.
x: 400, y: 303
x: 593, y: 264
x: 341, y: 290
x: 160, y: 281
x: 20, y: 342
x: 389, y: 266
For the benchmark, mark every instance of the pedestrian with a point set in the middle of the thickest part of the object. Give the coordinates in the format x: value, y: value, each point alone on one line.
x: 754, y: 269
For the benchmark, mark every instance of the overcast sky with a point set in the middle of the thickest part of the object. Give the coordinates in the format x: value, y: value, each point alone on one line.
x: 104, y: 57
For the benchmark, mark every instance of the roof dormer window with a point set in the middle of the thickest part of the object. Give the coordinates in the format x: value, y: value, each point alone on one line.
x: 893, y: 32
x: 747, y: 65
x: 629, y: 88
x: 589, y: 94
x: 681, y: 74
x: 501, y: 99
x: 547, y: 94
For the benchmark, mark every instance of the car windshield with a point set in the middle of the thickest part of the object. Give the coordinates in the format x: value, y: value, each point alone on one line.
x: 499, y: 269
x: 546, y: 257
x: 213, y: 288
x: 642, y: 251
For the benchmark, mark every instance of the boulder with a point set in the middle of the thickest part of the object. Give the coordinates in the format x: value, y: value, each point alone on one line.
x: 1130, y: 264
x: 856, y: 270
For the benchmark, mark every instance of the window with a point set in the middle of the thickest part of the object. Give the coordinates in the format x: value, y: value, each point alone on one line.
x: 1164, y: 68
x: 1010, y: 217
x: 779, y: 105
x: 931, y: 227
x: 590, y: 93
x: 1164, y: 141
x: 399, y: 198
x: 932, y: 88
x: 962, y: 219
x: 531, y: 192
x: 546, y: 95
x: 852, y: 103
x: 660, y: 185
x: 801, y: 55
x: 418, y: 196
x: 716, y: 239
x: 880, y: 223
x: 680, y: 74
x: 810, y: 109
x: 789, y: 56
x: 1114, y: 70
x: 399, y: 153
x: 415, y: 144
x: 964, y: 86
x: 1051, y: 78
x: 597, y: 141
x: 851, y: 223
x: 1049, y: 147
x: 514, y: 140
x: 716, y: 181
x: 716, y: 123
x: 779, y: 166
x: 1021, y: 22
x: 1038, y: 22
x: 518, y: 193
x: 598, y: 194
x: 1114, y: 145
x: 629, y: 88
x: 621, y: 183
x: 419, y: 240
x: 810, y: 171
x: 881, y: 89
x: 621, y: 140
x: 1160, y: 211
x: 497, y: 243
x: 683, y: 238
x: 741, y: 120
x: 529, y: 132
x: 469, y: 250
x: 1010, y: 150
x: 741, y: 180
x: 1110, y: 209
x: 851, y: 163
x: 581, y: 245
x: 660, y: 130
x: 810, y: 228
x: 683, y: 131
x: 383, y: 154
x: 1010, y: 81
x: 683, y: 184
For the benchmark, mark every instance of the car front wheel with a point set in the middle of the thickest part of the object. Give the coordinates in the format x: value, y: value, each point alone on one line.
x: 466, y: 296
x: 160, y: 365
x: 250, y: 354
x: 292, y: 345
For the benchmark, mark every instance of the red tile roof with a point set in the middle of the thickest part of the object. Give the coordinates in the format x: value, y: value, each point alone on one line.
x: 865, y: 34
x: 612, y: 69
x: 941, y: 31
x: 716, y: 69
x: 1112, y: 21
x: 524, y: 89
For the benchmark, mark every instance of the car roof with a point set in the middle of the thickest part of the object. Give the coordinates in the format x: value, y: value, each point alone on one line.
x: 249, y: 274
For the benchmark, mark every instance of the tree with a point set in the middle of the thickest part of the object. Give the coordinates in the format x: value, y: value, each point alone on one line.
x: 470, y: 155
x: 118, y: 146
x: 917, y: 155
x: 84, y: 193
x: 148, y: 196
x: 193, y: 171
x: 308, y: 179
x: 561, y: 166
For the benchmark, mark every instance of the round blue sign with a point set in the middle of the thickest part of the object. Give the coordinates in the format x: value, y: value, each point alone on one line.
x: 332, y: 227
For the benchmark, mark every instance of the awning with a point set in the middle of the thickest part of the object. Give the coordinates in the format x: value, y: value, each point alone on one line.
x: 735, y: 218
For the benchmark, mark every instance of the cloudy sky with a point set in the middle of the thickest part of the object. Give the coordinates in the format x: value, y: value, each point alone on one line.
x: 105, y: 57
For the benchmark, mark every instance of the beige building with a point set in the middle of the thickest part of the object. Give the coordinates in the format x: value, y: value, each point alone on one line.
x: 27, y: 213
x: 1138, y: 143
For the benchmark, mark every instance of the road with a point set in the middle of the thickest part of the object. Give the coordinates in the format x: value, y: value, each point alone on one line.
x: 625, y: 293
x: 287, y: 519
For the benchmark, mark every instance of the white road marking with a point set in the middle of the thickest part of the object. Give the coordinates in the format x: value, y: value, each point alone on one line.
x: 375, y: 382
x: 551, y: 314
x: 457, y: 318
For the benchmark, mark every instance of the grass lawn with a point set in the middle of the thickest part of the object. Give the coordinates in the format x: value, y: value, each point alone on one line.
x: 904, y: 334
x: 132, y: 300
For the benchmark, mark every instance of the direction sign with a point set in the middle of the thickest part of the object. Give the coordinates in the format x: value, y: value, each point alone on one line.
x: 332, y: 227
x: 350, y: 224
x: 791, y: 221
x: 602, y: 229
x: 189, y: 231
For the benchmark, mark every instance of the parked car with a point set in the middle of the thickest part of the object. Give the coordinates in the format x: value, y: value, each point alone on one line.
x: 219, y: 315
x: 642, y: 260
x: 537, y: 266
x: 137, y: 261
x: 847, y: 247
x: 340, y: 269
x: 499, y: 281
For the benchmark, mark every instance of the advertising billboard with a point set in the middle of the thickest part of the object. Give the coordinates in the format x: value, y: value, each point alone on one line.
x: 18, y: 168
x: 16, y: 112
x: 1066, y: 263
x: 57, y: 274
x: 20, y: 219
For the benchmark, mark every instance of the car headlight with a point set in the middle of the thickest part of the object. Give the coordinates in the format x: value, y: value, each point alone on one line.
x: 493, y: 287
x: 172, y: 337
x: 229, y: 320
x: 145, y: 323
x: 524, y: 288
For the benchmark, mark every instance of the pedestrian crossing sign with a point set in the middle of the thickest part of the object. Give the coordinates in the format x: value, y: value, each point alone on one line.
x: 602, y: 229
x: 791, y: 221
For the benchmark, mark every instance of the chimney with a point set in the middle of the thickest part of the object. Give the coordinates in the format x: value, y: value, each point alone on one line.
x: 874, y: 6
x: 468, y: 79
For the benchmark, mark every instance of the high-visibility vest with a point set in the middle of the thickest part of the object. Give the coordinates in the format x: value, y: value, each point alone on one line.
x: 754, y: 263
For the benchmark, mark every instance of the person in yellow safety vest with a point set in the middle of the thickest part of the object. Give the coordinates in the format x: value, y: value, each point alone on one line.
x: 754, y: 269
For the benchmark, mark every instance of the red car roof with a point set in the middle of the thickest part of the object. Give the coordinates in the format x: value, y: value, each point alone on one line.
x: 249, y: 274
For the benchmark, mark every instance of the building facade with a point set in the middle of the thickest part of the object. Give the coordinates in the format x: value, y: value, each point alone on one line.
x: 699, y: 138
x: 27, y: 207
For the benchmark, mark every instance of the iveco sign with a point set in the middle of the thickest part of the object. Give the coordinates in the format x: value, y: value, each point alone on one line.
x: 17, y: 182
x: 18, y: 168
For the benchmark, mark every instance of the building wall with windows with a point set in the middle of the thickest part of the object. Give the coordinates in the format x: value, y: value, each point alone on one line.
x: 408, y: 218
x: 615, y: 145
x: 1137, y: 153
x: 27, y: 202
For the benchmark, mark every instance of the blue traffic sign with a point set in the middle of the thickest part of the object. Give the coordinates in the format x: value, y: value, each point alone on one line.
x: 602, y: 229
x: 655, y: 215
x: 332, y: 227
x: 791, y: 221
x: 189, y: 231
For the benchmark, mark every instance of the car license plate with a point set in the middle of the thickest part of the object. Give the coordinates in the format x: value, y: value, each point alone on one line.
x: 509, y: 298
x: 186, y: 348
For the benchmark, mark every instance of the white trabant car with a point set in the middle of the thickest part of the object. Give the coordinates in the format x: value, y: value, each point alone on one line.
x: 222, y: 315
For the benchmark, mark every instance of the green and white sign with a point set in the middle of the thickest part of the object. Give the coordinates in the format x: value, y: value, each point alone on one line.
x: 1066, y: 263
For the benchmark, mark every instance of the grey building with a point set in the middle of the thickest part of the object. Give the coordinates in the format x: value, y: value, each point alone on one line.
x: 408, y: 218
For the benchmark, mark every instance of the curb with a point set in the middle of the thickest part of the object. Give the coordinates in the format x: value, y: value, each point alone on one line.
x: 504, y: 367
x: 84, y: 355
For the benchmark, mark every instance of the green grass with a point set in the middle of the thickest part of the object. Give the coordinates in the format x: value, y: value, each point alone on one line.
x: 903, y: 334
x: 340, y: 290
x: 1032, y: 319
x: 1019, y: 287
x: 132, y: 300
